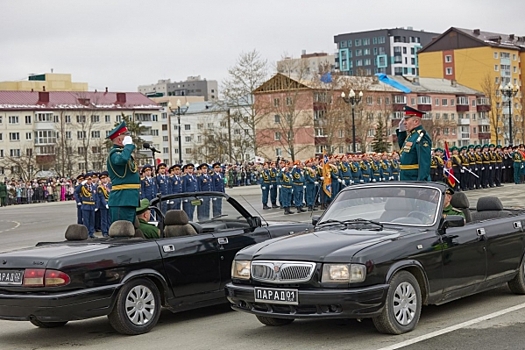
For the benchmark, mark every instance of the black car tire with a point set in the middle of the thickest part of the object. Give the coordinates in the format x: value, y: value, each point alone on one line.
x: 272, y: 321
x: 137, y: 307
x: 404, y: 290
x: 44, y: 324
x: 517, y: 284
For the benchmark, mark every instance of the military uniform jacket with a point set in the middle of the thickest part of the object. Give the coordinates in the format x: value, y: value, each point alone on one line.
x: 450, y: 210
x: 163, y: 184
x: 125, y: 179
x: 217, y: 182
x: 298, y: 178
x: 102, y: 196
x: 189, y: 183
x: 204, y: 183
x: 148, y: 188
x: 265, y: 179
x: 415, y: 154
x: 176, y: 184
x: 87, y: 197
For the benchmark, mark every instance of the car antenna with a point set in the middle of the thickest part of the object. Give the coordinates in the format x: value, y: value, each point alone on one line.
x: 250, y: 204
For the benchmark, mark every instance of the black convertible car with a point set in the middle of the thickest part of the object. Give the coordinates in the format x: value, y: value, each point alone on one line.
x: 381, y: 251
x: 130, y: 278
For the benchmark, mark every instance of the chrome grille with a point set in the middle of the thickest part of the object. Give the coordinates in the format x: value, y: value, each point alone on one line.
x: 282, y: 271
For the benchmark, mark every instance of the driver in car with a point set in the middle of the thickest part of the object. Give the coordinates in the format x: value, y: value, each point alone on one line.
x: 448, y: 209
x: 144, y: 214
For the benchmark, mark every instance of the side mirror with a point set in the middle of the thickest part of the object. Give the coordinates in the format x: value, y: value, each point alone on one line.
x: 255, y: 221
x: 453, y: 221
x: 315, y: 219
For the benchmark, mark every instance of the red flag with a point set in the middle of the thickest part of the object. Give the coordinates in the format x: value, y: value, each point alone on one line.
x: 449, y: 172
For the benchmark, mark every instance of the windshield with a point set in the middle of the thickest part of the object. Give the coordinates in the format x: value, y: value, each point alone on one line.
x: 402, y: 205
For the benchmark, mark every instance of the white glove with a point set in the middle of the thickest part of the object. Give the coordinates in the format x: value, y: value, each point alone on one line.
x: 96, y: 209
x: 351, y: 182
x: 79, y: 204
x: 321, y: 178
x: 503, y: 167
x: 316, y: 183
x: 264, y: 187
x: 362, y: 181
x: 339, y: 180
x: 402, y: 126
x: 483, y: 168
x: 279, y: 186
x: 304, y: 186
x: 283, y: 169
x: 295, y: 166
x: 383, y: 179
x: 107, y: 206
x: 462, y: 171
x: 127, y: 140
x: 374, y: 180
x: 84, y: 182
x: 271, y: 186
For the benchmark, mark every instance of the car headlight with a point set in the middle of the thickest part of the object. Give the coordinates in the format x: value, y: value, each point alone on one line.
x: 343, y: 273
x: 241, y: 269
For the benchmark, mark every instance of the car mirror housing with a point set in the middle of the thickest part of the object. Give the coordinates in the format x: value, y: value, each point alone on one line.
x: 255, y: 221
x: 453, y: 221
x: 315, y: 219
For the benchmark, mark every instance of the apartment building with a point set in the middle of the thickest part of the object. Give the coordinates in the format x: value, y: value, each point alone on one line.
x: 389, y: 51
x: 66, y: 131
x: 44, y: 82
x: 192, y: 86
x: 309, y: 64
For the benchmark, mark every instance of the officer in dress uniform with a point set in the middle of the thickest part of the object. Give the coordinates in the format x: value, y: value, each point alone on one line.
x: 218, y: 186
x: 273, y: 185
x: 265, y: 182
x: 377, y: 172
x: 473, y: 167
x: 456, y: 165
x: 163, y: 185
x: 175, y: 185
x: 345, y: 172
x: 355, y: 170
x: 298, y: 186
x: 103, y: 191
x: 386, y: 168
x: 95, y: 179
x: 415, y: 145
x: 80, y: 178
x: 88, y: 200
x: 124, y: 197
x: 366, y: 171
x: 518, y: 161
x: 336, y: 181
x: 148, y: 185
x: 499, y: 166
x: 492, y: 167
x: 485, y: 168
x: 285, y: 183
x: 479, y: 166
x: 311, y: 181
x: 395, y: 167
x: 464, y: 175
x: 437, y: 165
x: 189, y: 185
x: 448, y: 209
x: 204, y: 184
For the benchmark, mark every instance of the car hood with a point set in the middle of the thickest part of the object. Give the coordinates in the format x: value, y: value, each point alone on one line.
x: 320, y: 246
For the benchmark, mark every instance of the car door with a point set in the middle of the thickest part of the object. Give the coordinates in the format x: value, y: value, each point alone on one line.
x: 230, y: 241
x: 505, y: 245
x: 191, y: 264
x: 464, y: 260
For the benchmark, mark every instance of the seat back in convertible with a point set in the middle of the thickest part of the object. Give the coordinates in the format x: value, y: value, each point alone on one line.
x: 489, y: 208
x: 460, y: 201
x: 176, y: 223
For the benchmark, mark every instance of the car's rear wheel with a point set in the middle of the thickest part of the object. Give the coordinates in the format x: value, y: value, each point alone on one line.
x: 517, y: 284
x: 402, y: 307
x: 137, y: 308
x: 45, y: 324
x: 272, y: 321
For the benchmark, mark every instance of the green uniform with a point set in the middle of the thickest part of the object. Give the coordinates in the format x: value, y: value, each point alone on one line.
x: 125, y: 183
x: 149, y: 230
x: 450, y: 210
x: 414, y: 154
x: 3, y: 194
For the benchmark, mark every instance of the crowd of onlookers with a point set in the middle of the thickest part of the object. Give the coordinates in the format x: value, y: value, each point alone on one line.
x: 241, y: 175
x: 36, y: 191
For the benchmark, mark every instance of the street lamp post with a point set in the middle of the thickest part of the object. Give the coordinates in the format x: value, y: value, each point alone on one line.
x: 509, y: 91
x: 353, y: 100
x: 178, y: 112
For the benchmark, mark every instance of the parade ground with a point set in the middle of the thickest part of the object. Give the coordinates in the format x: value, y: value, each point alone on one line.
x: 491, y: 320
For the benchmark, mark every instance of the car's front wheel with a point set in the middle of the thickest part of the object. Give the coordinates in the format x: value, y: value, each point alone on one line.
x: 272, y: 321
x: 402, y: 307
x: 137, y: 308
x: 517, y: 284
x: 45, y: 324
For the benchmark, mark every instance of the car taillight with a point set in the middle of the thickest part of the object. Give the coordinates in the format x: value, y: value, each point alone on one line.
x: 45, y: 278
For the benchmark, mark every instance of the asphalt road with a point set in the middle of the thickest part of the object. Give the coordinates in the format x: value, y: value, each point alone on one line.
x: 491, y: 320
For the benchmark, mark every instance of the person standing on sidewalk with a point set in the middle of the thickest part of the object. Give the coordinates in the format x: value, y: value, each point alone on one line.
x: 3, y: 194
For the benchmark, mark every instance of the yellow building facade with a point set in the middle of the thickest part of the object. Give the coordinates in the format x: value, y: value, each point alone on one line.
x: 44, y: 82
x: 483, y: 61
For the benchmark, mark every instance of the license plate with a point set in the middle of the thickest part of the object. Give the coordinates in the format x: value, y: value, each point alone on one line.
x: 11, y: 277
x: 276, y: 296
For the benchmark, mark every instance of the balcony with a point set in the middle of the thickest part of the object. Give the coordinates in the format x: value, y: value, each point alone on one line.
x: 147, y: 138
x: 483, y: 108
x: 464, y: 121
x: 462, y: 108
x: 484, y: 121
x: 425, y: 108
x: 464, y: 136
x: 484, y: 135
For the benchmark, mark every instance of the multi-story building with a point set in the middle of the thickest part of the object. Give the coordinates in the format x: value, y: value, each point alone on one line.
x: 66, y: 131
x: 389, y: 51
x: 44, y: 82
x: 300, y: 119
x: 309, y: 64
x: 192, y: 86
x: 483, y: 61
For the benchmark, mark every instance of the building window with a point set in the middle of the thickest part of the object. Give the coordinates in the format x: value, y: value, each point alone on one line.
x: 68, y: 135
x: 369, y: 100
x: 400, y: 99
x: 436, y: 102
x: 366, y: 52
x: 366, y: 41
x: 277, y: 136
x: 278, y: 152
x: 29, y: 135
x: 81, y: 135
x: 448, y: 71
x: 424, y: 100
x: 189, y: 151
x: 288, y: 101
x: 277, y: 118
x: 14, y: 136
x: 14, y: 152
x: 276, y: 102
x: 28, y: 119
x: 444, y: 102
x: 81, y: 150
x: 165, y: 150
x: 495, y: 55
x: 81, y: 166
x: 371, y: 132
x: 96, y: 149
x: 81, y: 119
x: 1, y: 136
x: 357, y: 42
x: 13, y: 119
x: 95, y: 134
x: 358, y: 52
x: 496, y: 67
x: 107, y: 118
x: 155, y: 132
x: 448, y: 58
x: 67, y: 119
x: 187, y: 138
x: 187, y: 127
x: 452, y: 102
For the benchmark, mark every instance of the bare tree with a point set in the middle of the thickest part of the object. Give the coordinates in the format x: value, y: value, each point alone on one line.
x: 21, y: 165
x: 438, y: 128
x: 489, y: 88
x: 64, y: 149
x: 250, y: 72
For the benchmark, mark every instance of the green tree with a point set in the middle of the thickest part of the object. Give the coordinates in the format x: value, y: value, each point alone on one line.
x: 379, y: 144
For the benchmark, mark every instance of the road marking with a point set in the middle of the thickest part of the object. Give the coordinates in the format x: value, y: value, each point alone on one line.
x: 12, y: 228
x: 453, y: 328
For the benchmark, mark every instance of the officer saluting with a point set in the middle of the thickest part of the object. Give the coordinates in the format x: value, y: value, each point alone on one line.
x: 415, y: 147
x: 125, y: 179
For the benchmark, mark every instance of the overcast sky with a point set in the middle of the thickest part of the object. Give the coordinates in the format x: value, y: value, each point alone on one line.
x: 125, y: 43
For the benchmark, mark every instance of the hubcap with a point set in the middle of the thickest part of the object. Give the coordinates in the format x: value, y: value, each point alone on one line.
x: 140, y: 305
x: 405, y: 303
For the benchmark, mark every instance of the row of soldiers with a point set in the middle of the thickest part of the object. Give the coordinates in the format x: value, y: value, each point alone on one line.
x: 478, y: 166
x: 286, y: 185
